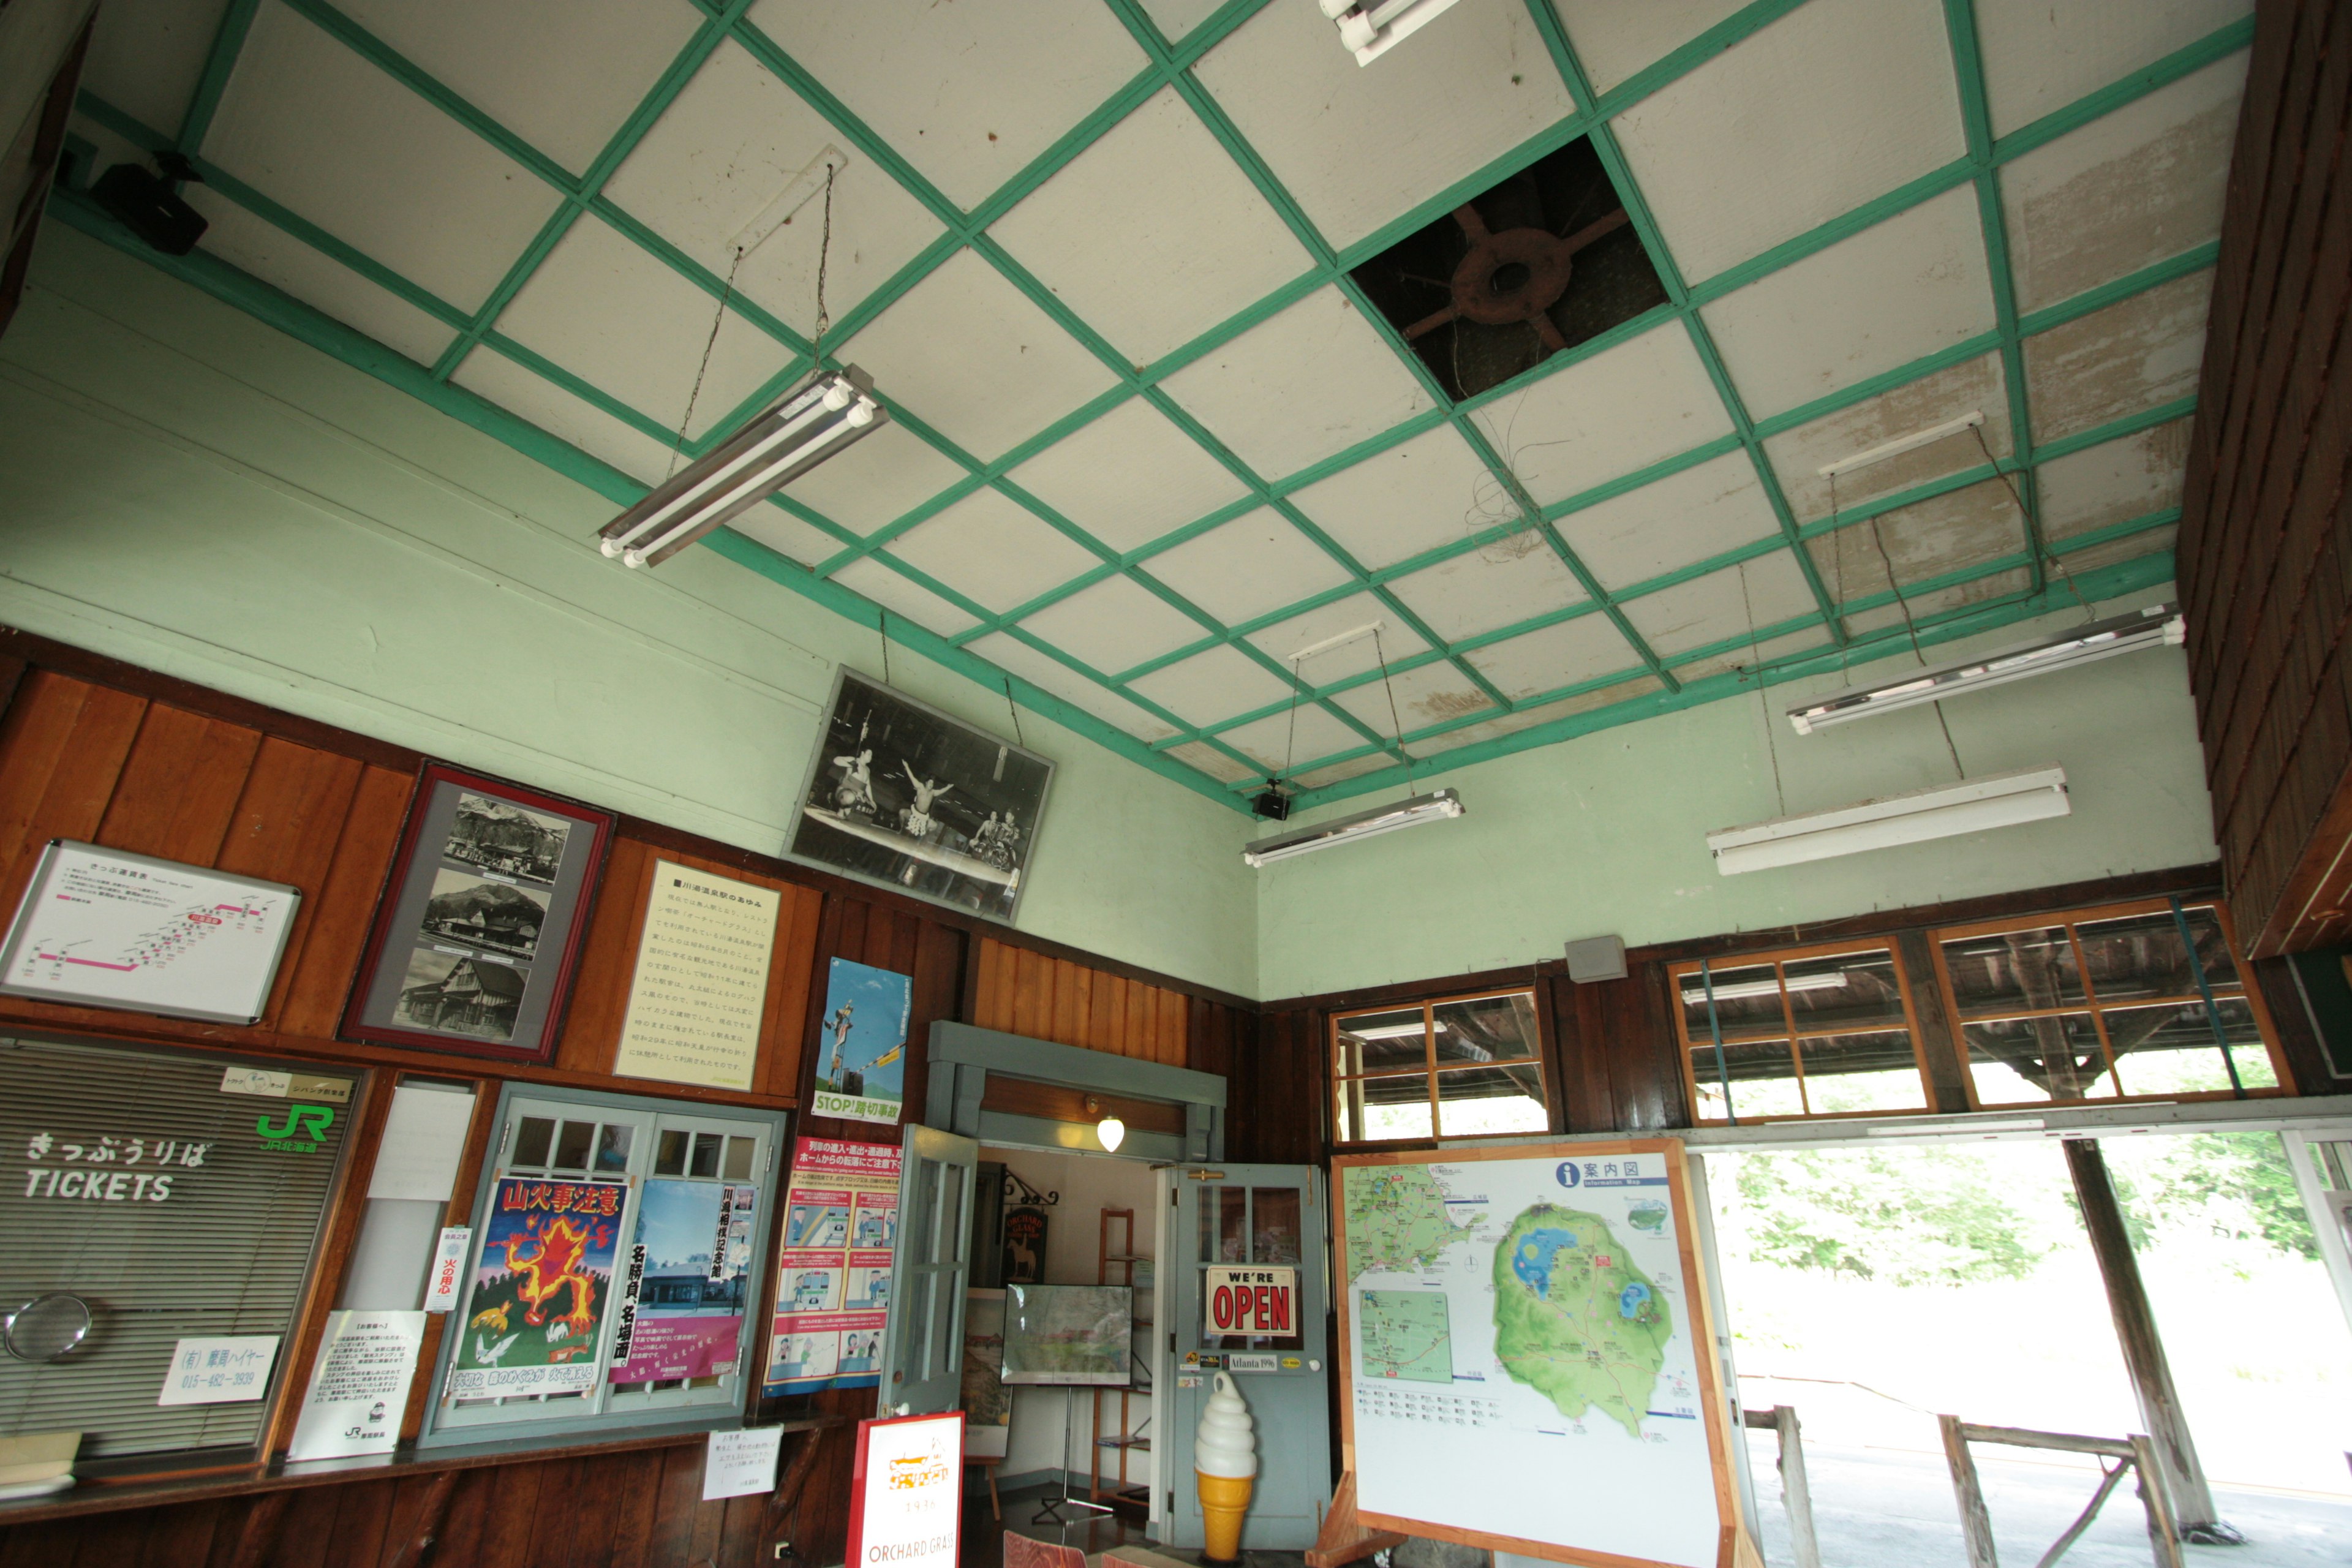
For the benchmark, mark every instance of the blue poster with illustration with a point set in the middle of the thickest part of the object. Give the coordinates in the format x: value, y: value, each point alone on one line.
x: 861, y: 1063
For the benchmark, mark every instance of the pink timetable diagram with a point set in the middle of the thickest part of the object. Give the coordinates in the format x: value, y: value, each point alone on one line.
x: 146, y: 933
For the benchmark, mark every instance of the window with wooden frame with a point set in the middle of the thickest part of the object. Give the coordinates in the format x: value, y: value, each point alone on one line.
x: 1461, y: 1066
x: 1827, y: 1030
x: 2123, y: 1002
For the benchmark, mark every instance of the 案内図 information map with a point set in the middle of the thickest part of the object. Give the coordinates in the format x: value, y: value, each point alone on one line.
x: 1525, y: 1352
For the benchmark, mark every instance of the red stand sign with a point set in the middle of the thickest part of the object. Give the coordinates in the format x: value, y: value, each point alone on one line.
x: 906, y: 1492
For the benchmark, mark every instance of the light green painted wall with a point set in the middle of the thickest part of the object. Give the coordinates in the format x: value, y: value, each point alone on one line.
x: 188, y: 489
x: 1606, y: 833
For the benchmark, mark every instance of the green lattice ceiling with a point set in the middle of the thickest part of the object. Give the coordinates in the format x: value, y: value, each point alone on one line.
x: 1149, y: 438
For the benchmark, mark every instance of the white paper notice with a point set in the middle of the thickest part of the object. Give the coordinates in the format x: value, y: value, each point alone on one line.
x: 448, y: 1276
x: 742, y: 1463
x: 359, y: 1385
x: 701, y: 980
x: 905, y: 1505
x: 424, y: 1138
x: 219, y: 1371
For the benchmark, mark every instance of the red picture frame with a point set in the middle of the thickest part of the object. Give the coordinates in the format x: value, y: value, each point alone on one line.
x: 478, y: 930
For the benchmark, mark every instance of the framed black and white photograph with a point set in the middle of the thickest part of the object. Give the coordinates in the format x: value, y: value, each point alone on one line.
x: 482, y: 920
x: 902, y: 795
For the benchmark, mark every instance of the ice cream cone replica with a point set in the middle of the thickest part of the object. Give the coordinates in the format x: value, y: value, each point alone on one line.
x: 1225, y: 1460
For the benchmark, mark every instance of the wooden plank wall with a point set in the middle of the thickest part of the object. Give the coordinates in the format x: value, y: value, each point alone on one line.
x: 1020, y: 991
x: 2266, y: 550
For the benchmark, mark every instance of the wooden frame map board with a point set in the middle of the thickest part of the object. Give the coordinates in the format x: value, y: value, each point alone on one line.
x: 1527, y: 1354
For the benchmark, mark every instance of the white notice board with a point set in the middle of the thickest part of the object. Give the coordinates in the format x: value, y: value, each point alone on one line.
x: 102, y: 928
x: 701, y: 983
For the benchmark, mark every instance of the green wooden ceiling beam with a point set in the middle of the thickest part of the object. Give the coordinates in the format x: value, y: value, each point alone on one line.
x: 220, y: 64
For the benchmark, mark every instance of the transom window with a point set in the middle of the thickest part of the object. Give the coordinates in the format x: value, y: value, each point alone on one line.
x: 1465, y: 1067
x: 1807, y: 1031
x: 2105, y: 1004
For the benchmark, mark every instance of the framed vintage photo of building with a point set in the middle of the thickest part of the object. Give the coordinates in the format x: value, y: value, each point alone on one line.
x: 482, y: 920
x: 901, y: 794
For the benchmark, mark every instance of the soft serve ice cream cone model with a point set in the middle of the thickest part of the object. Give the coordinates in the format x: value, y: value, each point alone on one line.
x: 1225, y: 1460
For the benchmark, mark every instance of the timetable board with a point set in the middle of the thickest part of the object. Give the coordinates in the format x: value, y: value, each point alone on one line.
x: 103, y: 928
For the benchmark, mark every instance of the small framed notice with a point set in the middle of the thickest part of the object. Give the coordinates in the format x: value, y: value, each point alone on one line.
x: 102, y: 928
x: 701, y: 981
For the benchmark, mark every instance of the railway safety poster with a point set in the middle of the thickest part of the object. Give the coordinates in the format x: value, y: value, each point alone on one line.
x: 833, y: 1271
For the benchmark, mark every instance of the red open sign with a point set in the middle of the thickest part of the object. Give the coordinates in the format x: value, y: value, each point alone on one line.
x: 1252, y: 1301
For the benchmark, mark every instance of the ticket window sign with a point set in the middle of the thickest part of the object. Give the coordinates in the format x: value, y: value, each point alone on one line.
x: 1252, y: 1301
x: 906, y: 1493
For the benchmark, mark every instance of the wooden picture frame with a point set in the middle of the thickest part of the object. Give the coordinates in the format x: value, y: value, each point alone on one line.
x: 1733, y: 1546
x: 482, y: 918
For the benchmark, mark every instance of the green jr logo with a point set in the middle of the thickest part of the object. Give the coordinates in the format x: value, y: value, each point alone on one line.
x: 301, y: 1131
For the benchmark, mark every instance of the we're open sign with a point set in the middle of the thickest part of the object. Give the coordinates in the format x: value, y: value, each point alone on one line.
x: 1252, y: 1300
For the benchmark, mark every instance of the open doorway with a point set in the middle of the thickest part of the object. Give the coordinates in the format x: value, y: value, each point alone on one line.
x: 1874, y: 1289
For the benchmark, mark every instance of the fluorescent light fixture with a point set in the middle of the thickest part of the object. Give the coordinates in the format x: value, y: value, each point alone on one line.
x: 1388, y: 1031
x: 2002, y: 800
x: 796, y: 194
x: 802, y: 428
x: 1412, y: 813
x: 1902, y: 444
x: 1829, y: 981
x: 2159, y: 624
x: 1369, y: 28
x: 1971, y: 1127
x: 1340, y: 640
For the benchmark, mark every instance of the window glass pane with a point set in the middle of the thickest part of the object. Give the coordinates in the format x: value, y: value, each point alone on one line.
x: 921, y: 1231
x: 1763, y: 1075
x: 1273, y: 1219
x: 2036, y: 1060
x: 738, y: 1167
x: 532, y: 1140
x: 612, y: 1141
x: 1381, y: 1042
x: 1747, y: 1001
x: 1473, y: 1100
x: 952, y: 1226
x: 1227, y: 1225
x: 1490, y: 1029
x: 705, y: 1159
x: 670, y: 1159
x: 1845, y: 991
x: 572, y: 1144
x: 1863, y: 1071
x: 2014, y: 971
x: 2141, y: 955
x: 2170, y: 1049
x: 1376, y: 1108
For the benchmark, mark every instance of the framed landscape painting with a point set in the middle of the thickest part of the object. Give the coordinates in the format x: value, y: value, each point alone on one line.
x: 482, y: 920
x: 903, y: 796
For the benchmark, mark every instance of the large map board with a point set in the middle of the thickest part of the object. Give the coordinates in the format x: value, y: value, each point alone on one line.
x: 1526, y: 1347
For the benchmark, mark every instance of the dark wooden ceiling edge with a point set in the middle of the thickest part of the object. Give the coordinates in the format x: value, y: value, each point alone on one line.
x: 1435, y: 986
x: 39, y: 652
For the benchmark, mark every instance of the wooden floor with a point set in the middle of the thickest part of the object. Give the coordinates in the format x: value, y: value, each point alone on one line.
x: 983, y: 1537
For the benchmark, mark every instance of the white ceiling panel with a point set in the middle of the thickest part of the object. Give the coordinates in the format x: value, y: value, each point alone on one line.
x: 1212, y: 685
x: 1685, y: 517
x: 1735, y: 157
x: 1177, y: 18
x: 1563, y: 654
x: 1605, y: 416
x: 2126, y: 190
x: 1745, y: 658
x: 2113, y: 482
x: 1503, y: 724
x: 1129, y: 477
x: 1010, y: 653
x: 885, y: 475
x: 902, y: 597
x: 1973, y: 387
x: 1285, y: 638
x: 1721, y: 604
x: 2040, y: 56
x: 1292, y: 391
x: 1925, y: 607
x: 1415, y: 495
x: 2155, y: 542
x: 1205, y: 757
x: 308, y: 123
x: 1896, y: 292
x: 563, y: 75
x: 992, y: 550
x: 968, y: 94
x: 786, y: 534
x: 1946, y: 534
x: 1114, y: 625
x: 1240, y: 569
x: 1510, y: 581
x: 1434, y: 694
x: 1338, y: 773
x: 1283, y: 741
x: 557, y: 412
x: 971, y: 355
x: 733, y: 140
x: 2129, y: 357
x: 147, y: 56
x: 1614, y: 40
x: 272, y: 255
x: 1359, y: 147
x: 609, y: 312
x: 1153, y: 235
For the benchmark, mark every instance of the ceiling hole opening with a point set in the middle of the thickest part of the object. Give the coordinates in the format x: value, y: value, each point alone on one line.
x: 1510, y: 277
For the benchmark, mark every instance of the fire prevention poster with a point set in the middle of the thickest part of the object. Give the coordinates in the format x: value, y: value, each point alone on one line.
x: 833, y: 1272
x: 540, y: 1286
